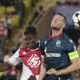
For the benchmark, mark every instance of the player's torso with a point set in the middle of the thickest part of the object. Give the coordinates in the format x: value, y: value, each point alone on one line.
x: 56, y: 53
x: 31, y: 60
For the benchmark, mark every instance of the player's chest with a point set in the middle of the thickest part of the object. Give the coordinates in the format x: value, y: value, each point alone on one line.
x: 31, y: 58
x: 25, y: 55
x: 54, y: 45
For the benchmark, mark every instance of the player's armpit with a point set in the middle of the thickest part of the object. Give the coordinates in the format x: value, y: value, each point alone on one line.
x: 73, y: 55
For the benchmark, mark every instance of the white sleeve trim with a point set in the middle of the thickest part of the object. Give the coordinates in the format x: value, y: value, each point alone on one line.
x: 15, y: 59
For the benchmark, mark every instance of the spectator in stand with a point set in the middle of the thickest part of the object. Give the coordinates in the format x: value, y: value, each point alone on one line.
x: 63, y: 1
x: 7, y: 55
x: 33, y: 3
x: 6, y: 20
x: 3, y: 34
x: 1, y: 56
x: 7, y: 24
x: 18, y: 42
x: 68, y: 8
x: 11, y: 74
x: 20, y: 8
x: 2, y: 74
x: 37, y: 14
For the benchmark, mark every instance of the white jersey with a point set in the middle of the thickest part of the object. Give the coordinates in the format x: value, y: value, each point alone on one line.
x: 31, y: 60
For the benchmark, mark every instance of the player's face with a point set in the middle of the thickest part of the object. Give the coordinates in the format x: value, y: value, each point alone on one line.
x: 30, y: 41
x: 58, y: 22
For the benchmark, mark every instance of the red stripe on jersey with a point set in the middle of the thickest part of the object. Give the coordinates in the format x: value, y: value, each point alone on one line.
x: 31, y: 58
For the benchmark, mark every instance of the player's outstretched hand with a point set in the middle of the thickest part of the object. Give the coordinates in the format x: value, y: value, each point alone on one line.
x: 32, y: 77
x: 52, y: 71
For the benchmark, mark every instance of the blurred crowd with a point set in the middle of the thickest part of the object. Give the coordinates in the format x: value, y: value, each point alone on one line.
x: 67, y: 8
x: 7, y: 30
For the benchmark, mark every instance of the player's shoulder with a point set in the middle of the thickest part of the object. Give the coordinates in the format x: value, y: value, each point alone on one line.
x: 44, y: 38
x: 23, y: 49
x: 67, y: 40
x: 69, y: 43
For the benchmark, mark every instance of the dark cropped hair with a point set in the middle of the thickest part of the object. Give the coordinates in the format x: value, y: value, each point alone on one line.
x: 30, y: 30
x: 60, y: 15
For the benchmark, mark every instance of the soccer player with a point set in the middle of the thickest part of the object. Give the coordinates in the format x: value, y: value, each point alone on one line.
x: 61, y: 57
x: 29, y: 55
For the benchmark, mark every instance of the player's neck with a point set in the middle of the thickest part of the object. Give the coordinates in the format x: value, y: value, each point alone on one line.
x: 36, y: 46
x: 56, y: 32
x: 34, y: 49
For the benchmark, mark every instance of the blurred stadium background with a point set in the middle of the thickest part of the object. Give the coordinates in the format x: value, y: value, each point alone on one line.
x: 15, y: 15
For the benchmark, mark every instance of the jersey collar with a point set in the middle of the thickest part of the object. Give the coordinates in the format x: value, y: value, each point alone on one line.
x: 56, y: 36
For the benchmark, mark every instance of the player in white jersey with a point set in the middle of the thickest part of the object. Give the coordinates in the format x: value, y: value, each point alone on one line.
x: 29, y: 55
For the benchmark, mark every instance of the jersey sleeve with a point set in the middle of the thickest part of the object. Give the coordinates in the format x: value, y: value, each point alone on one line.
x: 73, y: 54
x: 71, y: 46
x: 15, y: 59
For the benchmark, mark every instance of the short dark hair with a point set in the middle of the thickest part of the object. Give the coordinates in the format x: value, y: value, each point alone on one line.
x: 30, y: 30
x: 60, y: 15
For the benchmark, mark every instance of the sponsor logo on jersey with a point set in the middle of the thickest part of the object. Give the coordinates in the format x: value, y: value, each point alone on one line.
x: 53, y: 54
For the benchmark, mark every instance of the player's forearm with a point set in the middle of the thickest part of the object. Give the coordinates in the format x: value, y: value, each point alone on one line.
x: 69, y: 69
x: 42, y: 72
x: 4, y: 67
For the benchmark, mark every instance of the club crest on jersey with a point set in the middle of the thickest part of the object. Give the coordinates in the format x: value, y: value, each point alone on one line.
x: 58, y: 43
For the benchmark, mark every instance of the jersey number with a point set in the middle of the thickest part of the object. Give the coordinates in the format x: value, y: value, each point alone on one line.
x: 33, y: 61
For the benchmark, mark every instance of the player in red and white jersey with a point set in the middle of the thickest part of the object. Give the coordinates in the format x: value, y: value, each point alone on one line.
x: 29, y: 55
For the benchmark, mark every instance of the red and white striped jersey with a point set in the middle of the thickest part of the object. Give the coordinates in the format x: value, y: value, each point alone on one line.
x: 31, y: 59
